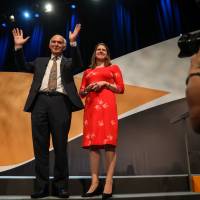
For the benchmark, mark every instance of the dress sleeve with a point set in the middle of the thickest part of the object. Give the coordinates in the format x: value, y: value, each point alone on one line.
x: 118, y: 79
x: 83, y: 85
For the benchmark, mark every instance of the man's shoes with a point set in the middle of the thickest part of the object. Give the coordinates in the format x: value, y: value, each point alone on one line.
x: 60, y: 192
x: 44, y: 192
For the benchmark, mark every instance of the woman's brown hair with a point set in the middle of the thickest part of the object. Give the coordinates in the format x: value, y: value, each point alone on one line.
x: 93, y: 58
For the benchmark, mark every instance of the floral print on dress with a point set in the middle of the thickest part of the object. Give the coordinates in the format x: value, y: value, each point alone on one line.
x: 100, y: 114
x: 112, y: 122
x: 101, y: 123
x: 100, y: 102
x: 97, y: 107
x: 86, y: 122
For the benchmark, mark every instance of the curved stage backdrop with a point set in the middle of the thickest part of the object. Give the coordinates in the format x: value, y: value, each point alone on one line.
x: 151, y: 132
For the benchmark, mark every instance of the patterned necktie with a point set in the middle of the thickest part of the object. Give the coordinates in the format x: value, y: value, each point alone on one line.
x: 52, y: 84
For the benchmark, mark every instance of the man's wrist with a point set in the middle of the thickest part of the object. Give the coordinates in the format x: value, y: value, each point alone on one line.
x: 73, y: 44
x: 17, y: 47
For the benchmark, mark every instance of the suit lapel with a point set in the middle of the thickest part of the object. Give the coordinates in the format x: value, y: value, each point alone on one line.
x: 62, y: 64
x: 44, y: 64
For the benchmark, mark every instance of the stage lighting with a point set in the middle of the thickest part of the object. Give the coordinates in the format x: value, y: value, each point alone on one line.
x: 12, y: 18
x: 48, y: 7
x: 4, y: 25
x: 37, y: 15
x: 73, y: 6
x: 26, y: 14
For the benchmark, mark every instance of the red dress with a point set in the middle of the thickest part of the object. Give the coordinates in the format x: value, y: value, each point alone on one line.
x: 100, y: 123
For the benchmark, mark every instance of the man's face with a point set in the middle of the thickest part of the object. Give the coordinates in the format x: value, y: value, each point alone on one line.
x: 57, y: 45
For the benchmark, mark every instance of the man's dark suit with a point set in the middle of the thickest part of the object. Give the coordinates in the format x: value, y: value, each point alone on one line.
x: 51, y: 113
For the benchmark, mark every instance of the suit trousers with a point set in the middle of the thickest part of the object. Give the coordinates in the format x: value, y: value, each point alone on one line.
x: 51, y: 114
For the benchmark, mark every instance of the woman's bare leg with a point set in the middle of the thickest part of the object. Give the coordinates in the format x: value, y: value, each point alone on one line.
x: 110, y: 156
x: 94, y: 169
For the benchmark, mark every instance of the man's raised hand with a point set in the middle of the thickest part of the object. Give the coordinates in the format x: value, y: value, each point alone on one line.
x: 19, y: 39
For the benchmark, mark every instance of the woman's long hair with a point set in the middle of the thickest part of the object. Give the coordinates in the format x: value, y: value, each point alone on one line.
x: 93, y: 58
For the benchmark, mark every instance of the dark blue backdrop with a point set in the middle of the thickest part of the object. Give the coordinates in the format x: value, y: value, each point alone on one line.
x: 124, y: 25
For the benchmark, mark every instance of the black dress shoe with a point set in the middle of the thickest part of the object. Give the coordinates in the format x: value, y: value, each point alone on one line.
x: 96, y: 192
x: 40, y: 193
x: 61, y: 193
x: 106, y: 196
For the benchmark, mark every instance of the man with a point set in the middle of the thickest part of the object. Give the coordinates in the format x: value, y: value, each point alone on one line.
x: 193, y: 91
x: 52, y: 98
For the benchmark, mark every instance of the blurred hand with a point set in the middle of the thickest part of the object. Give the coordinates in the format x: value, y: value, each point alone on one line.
x: 193, y: 93
x: 195, y: 63
x: 19, y: 39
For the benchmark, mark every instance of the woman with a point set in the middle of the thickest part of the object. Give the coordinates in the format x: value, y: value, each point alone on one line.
x: 99, y: 84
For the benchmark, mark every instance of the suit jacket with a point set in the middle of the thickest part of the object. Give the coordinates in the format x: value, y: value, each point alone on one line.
x: 38, y: 68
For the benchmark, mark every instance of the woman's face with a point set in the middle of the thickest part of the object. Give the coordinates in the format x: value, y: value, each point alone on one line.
x: 101, y: 52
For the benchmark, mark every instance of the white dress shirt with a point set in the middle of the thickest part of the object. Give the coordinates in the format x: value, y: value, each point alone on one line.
x: 44, y: 85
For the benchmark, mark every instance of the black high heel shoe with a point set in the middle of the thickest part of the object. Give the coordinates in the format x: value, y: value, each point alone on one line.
x: 96, y: 192
x: 106, y: 196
